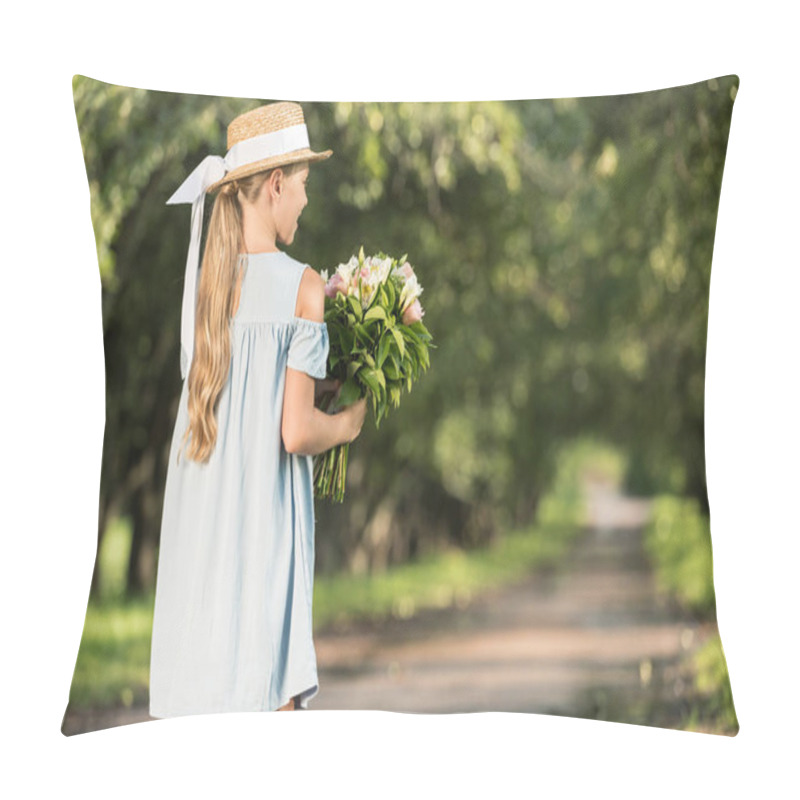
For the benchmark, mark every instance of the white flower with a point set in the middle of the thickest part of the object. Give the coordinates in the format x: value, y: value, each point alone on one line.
x: 411, y: 291
x: 347, y: 270
x: 403, y: 271
x: 366, y: 296
x: 363, y: 275
x: 324, y: 275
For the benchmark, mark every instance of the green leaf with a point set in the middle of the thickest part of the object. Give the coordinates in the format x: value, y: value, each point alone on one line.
x: 346, y: 339
x: 384, y: 348
x: 374, y: 379
x: 349, y: 393
x: 355, y: 306
x: 368, y: 376
x: 398, y: 337
x: 391, y: 294
x: 390, y: 369
x: 409, y: 334
x: 376, y: 312
x: 421, y: 331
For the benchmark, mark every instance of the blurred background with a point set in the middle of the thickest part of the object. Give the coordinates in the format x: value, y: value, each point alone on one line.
x: 540, y: 495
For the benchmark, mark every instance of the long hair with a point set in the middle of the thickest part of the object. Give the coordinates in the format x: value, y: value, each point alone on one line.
x: 219, y: 274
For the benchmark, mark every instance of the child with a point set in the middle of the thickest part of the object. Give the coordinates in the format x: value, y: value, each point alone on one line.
x: 232, y: 626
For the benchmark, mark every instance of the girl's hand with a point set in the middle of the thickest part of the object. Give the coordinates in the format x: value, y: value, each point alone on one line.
x: 354, y: 415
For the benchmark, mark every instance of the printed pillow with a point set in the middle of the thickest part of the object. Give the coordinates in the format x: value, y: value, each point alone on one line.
x: 529, y: 529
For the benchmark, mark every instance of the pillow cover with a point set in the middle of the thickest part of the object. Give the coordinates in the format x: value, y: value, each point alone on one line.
x: 529, y: 531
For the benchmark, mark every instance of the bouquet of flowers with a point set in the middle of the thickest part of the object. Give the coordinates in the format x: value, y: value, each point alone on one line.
x: 378, y: 345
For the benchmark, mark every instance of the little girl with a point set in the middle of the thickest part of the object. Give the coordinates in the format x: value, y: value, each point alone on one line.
x: 232, y: 626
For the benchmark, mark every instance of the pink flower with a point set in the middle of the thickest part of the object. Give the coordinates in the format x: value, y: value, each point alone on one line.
x: 334, y: 285
x: 413, y: 313
x: 406, y: 270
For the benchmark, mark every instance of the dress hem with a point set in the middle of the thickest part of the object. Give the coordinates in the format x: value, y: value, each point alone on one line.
x: 307, y: 694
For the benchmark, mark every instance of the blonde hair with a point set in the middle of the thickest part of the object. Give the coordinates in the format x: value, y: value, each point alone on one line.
x: 221, y: 267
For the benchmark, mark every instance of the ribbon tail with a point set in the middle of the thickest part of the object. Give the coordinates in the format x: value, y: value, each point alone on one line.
x: 190, y: 287
x: 193, y: 190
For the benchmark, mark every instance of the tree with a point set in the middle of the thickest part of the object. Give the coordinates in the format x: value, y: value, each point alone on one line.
x: 565, y: 251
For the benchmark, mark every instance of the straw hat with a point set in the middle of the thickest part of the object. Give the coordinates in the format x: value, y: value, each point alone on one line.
x: 277, y: 128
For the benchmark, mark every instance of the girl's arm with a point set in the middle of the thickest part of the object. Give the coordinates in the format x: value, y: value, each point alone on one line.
x: 304, y: 428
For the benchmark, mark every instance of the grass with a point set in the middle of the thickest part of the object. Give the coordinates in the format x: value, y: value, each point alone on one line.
x: 113, y: 665
x: 447, y: 579
x: 712, y: 705
x: 678, y: 542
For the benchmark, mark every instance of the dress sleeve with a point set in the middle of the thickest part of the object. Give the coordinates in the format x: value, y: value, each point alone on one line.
x: 308, y: 348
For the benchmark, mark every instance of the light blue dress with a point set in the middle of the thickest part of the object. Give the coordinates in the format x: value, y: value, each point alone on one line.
x: 232, y: 626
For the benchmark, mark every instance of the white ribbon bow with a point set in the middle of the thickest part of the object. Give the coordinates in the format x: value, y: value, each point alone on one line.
x: 193, y: 190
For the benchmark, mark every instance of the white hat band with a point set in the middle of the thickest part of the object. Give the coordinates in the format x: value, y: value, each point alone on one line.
x: 268, y: 145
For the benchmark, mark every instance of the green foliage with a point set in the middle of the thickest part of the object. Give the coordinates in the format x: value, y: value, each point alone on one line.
x: 566, y: 252
x: 114, y: 554
x: 713, y: 686
x: 113, y: 665
x: 678, y: 541
x: 564, y: 503
x: 648, y: 474
x: 449, y: 578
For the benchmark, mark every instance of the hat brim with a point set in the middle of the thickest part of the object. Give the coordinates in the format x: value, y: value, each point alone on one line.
x: 270, y: 163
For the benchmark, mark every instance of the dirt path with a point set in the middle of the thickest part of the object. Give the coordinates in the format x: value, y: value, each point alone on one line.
x: 589, y: 639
